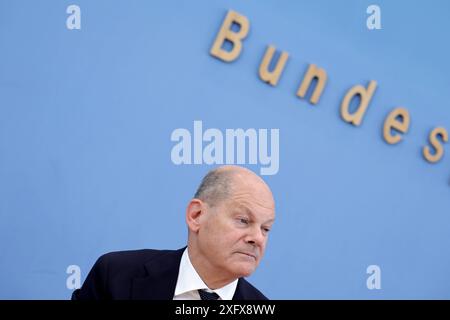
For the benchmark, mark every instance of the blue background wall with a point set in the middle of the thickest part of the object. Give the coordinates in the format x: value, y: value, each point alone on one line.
x: 86, y: 117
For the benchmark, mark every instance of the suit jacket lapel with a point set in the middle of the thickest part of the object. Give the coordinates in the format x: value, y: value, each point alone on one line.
x: 239, y: 294
x: 161, y: 279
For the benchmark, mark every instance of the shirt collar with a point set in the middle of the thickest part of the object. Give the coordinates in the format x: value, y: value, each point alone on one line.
x: 189, y: 280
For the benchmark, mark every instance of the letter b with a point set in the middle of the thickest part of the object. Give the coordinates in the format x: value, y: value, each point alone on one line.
x: 235, y: 38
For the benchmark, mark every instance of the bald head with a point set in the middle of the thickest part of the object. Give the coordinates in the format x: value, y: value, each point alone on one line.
x: 220, y: 183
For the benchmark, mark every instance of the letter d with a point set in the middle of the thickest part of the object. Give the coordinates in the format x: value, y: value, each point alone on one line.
x: 366, y: 96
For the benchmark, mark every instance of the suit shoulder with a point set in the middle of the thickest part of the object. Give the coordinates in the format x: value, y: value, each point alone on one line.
x: 129, y: 255
x: 127, y: 260
x: 110, y: 276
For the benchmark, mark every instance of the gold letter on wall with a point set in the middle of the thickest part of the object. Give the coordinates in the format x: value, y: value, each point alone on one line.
x: 365, y: 95
x: 436, y: 144
x: 225, y: 33
x: 393, y: 123
x: 313, y: 73
x: 272, y: 77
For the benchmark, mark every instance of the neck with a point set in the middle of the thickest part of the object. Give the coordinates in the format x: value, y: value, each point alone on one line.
x: 214, y: 278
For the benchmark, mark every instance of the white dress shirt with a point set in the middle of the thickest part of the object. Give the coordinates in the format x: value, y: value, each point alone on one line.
x: 189, y: 282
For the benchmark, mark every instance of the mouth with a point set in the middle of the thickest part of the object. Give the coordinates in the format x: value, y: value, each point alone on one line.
x: 248, y: 255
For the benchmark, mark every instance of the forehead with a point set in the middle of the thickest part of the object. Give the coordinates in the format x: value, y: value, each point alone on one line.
x: 259, y: 206
x: 248, y: 193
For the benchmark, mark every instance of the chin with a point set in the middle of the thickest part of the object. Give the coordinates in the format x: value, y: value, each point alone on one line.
x: 244, y: 270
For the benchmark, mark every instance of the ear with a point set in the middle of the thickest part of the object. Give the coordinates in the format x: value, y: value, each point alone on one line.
x: 194, y: 210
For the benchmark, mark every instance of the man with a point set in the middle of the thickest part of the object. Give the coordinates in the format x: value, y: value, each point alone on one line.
x: 228, y: 224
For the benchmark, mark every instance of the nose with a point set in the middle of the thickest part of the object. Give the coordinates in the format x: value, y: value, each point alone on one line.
x: 255, y: 237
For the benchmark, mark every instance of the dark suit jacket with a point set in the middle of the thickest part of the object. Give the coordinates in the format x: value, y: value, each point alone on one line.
x: 143, y: 275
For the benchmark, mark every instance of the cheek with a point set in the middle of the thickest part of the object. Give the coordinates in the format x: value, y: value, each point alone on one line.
x: 264, y: 245
x: 215, y: 236
x: 222, y: 237
x: 225, y: 245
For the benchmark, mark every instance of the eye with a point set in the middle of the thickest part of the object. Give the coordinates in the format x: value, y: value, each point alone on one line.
x: 243, y: 220
x: 266, y: 230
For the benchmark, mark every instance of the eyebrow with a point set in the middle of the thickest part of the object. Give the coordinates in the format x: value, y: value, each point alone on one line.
x: 250, y: 213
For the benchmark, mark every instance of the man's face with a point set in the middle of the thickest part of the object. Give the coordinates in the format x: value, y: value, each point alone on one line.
x: 234, y: 233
